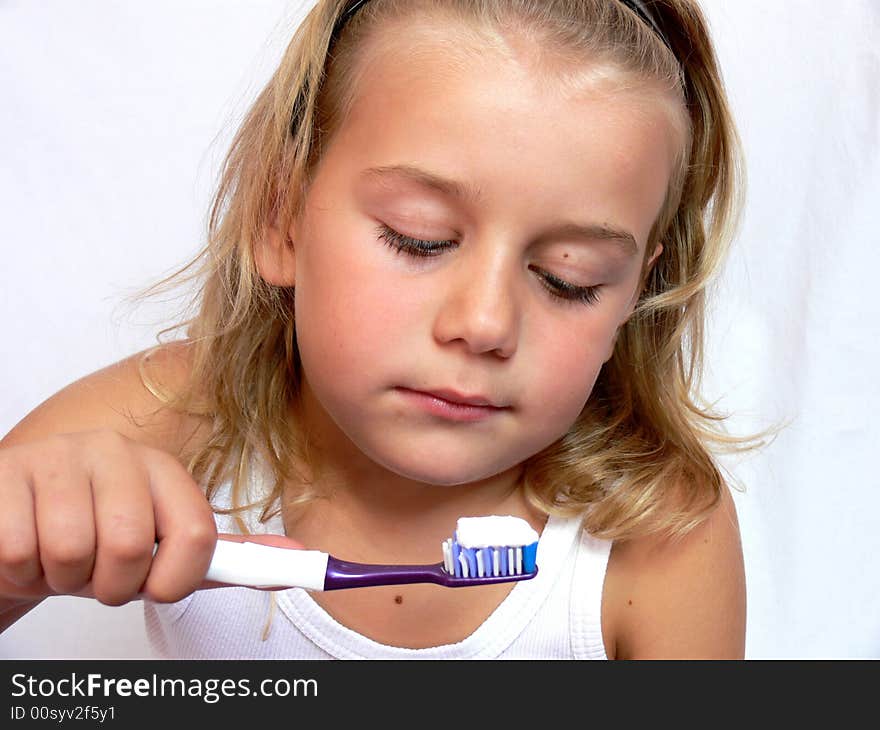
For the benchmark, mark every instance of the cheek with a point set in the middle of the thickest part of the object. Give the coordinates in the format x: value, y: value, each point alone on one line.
x: 348, y: 312
x: 575, y: 364
x: 570, y: 359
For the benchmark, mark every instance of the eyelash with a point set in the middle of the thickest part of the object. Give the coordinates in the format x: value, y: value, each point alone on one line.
x: 556, y: 287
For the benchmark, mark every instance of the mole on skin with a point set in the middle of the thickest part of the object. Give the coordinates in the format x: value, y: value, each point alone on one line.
x: 398, y: 599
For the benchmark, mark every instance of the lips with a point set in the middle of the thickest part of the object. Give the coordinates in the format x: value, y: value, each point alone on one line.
x: 460, y: 398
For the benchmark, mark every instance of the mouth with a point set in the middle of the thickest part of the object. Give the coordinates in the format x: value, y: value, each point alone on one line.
x: 461, y: 399
x: 451, y: 405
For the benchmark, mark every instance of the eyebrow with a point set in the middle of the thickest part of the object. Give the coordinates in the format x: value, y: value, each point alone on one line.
x: 471, y: 194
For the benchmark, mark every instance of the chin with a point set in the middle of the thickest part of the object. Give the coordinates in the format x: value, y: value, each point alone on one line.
x: 437, y: 471
x: 437, y: 477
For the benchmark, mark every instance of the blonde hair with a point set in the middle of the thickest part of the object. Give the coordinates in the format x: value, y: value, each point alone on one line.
x: 638, y: 460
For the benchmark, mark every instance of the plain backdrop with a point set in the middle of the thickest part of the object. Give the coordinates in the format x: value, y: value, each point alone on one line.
x: 114, y: 117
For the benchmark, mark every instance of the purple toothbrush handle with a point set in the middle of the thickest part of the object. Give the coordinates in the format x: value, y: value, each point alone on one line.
x: 343, y: 574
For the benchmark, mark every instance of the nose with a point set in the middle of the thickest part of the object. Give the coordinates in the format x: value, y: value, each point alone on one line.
x: 481, y: 307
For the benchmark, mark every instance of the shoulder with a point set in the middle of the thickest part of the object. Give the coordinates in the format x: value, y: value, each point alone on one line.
x: 117, y: 398
x: 666, y: 599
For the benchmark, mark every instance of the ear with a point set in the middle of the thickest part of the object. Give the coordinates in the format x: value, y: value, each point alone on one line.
x: 649, y: 264
x: 275, y: 257
x: 632, y: 305
x: 610, y: 353
x: 658, y: 249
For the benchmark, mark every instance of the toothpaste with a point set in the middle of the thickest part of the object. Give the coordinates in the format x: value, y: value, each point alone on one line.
x: 478, y: 532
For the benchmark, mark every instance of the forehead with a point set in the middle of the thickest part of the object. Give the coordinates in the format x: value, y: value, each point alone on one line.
x: 509, y: 124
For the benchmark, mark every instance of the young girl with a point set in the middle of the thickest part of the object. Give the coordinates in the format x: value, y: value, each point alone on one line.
x: 456, y: 266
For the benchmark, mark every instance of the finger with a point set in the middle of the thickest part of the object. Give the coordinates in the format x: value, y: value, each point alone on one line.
x: 19, y: 556
x: 185, y: 531
x: 64, y: 519
x: 124, y: 524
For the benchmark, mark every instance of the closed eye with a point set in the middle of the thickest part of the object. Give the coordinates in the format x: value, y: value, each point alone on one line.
x: 412, y: 246
x: 416, y: 247
x: 569, y: 292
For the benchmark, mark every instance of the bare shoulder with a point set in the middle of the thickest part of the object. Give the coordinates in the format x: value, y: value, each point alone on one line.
x: 678, y: 599
x: 116, y: 398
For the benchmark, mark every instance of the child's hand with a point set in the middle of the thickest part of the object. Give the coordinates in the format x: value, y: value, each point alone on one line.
x: 80, y: 514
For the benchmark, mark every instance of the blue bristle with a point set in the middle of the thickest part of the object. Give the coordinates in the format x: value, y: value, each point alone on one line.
x: 502, y: 551
x: 471, y: 556
x: 456, y: 551
x: 530, y: 554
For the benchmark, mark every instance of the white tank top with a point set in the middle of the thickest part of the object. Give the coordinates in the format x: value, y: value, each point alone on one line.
x: 555, y: 615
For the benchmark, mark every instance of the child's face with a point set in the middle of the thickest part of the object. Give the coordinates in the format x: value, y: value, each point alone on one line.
x: 478, y: 318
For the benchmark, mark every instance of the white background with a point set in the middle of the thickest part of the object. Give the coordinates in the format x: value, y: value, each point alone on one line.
x: 114, y: 118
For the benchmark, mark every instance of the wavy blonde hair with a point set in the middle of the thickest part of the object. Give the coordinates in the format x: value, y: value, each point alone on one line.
x: 639, y: 458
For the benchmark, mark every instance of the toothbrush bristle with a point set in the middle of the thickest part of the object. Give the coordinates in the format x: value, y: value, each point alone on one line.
x: 490, y: 549
x: 492, y: 561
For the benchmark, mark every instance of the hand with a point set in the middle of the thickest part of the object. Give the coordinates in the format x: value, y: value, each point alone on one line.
x: 81, y: 513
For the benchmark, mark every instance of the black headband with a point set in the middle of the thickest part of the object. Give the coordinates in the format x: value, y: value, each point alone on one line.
x: 639, y: 7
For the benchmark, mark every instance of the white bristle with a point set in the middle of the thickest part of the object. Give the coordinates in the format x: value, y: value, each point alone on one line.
x: 496, y: 563
x: 481, y: 569
x: 447, y: 557
x: 519, y: 561
x: 464, y: 565
x: 511, y: 556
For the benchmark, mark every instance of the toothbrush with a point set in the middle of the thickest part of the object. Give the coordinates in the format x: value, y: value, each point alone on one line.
x: 483, y: 550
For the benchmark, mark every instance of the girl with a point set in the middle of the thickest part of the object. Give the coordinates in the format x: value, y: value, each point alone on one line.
x: 456, y: 266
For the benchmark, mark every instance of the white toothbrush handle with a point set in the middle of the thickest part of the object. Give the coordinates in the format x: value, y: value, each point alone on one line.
x: 264, y: 566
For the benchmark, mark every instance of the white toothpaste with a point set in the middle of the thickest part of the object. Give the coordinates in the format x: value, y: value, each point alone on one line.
x: 478, y: 532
